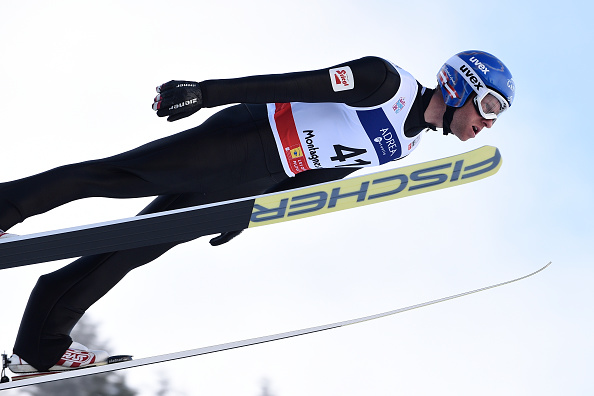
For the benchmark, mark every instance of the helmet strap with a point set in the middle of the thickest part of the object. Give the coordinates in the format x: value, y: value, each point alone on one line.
x: 447, y: 119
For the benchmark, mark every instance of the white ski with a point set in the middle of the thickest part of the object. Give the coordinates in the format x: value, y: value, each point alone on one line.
x: 232, y: 345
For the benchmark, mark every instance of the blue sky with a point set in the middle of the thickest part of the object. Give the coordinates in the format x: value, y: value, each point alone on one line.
x: 78, y: 80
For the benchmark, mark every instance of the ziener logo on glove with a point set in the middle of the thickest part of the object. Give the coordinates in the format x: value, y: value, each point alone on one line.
x: 185, y: 103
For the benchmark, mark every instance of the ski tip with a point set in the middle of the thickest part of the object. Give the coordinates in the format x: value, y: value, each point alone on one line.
x: 541, y: 269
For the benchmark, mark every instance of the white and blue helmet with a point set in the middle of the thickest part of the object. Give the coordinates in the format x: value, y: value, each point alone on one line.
x: 480, y: 72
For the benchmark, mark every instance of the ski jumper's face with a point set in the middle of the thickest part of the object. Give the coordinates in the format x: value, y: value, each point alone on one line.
x: 467, y: 122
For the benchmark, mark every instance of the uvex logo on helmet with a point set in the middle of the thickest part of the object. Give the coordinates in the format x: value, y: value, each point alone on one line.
x: 471, y: 77
x: 480, y: 65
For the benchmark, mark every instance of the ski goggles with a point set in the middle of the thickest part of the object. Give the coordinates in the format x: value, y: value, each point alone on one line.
x: 490, y: 104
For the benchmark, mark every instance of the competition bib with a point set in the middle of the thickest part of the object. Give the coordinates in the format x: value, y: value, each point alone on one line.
x: 329, y: 135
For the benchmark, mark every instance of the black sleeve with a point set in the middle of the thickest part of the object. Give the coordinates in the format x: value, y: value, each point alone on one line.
x: 375, y: 81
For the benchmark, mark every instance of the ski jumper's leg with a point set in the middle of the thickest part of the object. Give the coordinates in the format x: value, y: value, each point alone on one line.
x: 221, y: 150
x: 60, y: 299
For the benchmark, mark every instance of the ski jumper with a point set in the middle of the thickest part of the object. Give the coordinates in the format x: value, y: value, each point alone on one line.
x: 240, y: 151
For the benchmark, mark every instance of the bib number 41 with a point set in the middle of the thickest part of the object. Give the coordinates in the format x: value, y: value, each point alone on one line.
x: 344, y: 152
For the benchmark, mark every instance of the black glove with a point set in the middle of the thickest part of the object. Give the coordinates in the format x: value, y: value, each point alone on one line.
x: 178, y: 99
x: 224, y: 237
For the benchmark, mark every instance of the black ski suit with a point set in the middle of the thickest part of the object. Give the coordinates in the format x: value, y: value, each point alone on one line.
x: 231, y: 155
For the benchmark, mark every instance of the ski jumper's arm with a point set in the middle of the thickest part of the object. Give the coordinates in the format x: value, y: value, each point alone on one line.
x: 375, y: 81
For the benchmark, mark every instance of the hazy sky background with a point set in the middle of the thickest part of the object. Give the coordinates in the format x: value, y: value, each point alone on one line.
x: 78, y: 82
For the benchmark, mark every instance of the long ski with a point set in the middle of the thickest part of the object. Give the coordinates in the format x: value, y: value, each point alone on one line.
x: 236, y: 344
x: 189, y: 223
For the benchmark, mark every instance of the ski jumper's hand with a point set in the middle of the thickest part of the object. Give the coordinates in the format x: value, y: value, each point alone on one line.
x: 178, y: 99
x: 224, y: 237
